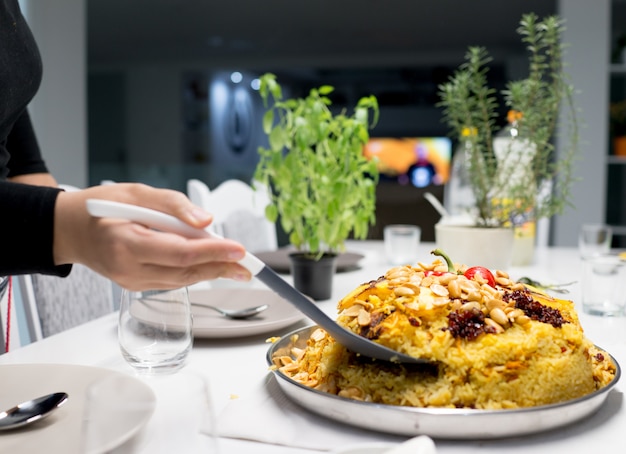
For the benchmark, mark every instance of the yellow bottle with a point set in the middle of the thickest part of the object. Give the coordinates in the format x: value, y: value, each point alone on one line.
x: 515, y: 155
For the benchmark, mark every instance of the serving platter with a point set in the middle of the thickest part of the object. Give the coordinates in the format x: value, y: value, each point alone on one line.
x: 447, y: 423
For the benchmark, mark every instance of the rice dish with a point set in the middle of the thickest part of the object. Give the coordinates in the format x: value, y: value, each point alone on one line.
x: 492, y: 345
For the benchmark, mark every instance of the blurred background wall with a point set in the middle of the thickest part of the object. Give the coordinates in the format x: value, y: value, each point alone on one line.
x: 142, y: 90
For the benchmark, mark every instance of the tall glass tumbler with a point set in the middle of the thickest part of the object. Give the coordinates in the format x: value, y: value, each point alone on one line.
x: 155, y: 329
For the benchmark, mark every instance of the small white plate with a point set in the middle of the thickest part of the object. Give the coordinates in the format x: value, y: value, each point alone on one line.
x: 61, y: 431
x: 209, y: 324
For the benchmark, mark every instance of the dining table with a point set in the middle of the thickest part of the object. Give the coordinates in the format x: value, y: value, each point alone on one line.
x: 237, y: 372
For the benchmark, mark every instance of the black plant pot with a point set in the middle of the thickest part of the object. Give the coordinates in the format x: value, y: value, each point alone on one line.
x: 313, y: 277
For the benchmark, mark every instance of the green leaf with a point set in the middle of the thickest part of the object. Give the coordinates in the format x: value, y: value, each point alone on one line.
x: 268, y: 121
x: 271, y: 212
x: 277, y: 139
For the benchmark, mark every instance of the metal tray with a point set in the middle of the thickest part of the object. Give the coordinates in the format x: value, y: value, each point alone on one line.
x: 448, y: 423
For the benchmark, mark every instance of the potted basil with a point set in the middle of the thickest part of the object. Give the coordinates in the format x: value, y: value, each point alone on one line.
x: 322, y: 187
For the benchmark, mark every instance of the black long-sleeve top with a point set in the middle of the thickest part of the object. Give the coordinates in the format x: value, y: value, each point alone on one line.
x: 26, y: 212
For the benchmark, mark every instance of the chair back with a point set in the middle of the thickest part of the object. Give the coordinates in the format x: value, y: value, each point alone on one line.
x: 239, y: 214
x: 11, y: 334
x: 200, y: 194
x: 53, y: 304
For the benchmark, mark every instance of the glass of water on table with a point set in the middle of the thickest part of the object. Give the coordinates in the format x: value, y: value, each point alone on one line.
x: 155, y: 329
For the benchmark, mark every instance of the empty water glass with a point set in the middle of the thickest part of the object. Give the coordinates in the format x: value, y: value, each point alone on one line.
x: 604, y: 285
x: 155, y: 329
x: 117, y: 408
x: 401, y: 243
x: 183, y: 419
x: 594, y: 239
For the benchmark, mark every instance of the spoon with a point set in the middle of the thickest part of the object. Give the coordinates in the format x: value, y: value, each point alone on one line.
x: 167, y: 223
x: 235, y: 314
x: 31, y: 410
x: 556, y: 288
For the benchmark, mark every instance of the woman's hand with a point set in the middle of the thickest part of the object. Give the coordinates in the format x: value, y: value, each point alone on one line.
x: 134, y: 256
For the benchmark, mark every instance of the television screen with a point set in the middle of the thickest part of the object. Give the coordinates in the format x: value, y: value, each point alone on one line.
x: 419, y: 161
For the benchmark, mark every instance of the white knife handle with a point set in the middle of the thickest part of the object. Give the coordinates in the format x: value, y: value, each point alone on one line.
x: 160, y: 221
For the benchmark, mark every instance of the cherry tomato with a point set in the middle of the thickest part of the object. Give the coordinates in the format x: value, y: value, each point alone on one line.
x: 481, y: 271
x: 434, y: 273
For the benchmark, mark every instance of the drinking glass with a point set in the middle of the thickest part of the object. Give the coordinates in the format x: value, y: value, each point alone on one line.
x: 401, y: 243
x: 116, y: 409
x: 155, y: 414
x: 184, y: 419
x: 594, y: 240
x: 155, y: 329
x: 604, y: 285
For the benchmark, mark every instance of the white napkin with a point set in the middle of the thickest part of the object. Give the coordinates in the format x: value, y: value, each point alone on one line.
x: 267, y: 415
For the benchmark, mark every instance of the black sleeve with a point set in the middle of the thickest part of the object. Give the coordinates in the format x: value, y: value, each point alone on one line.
x: 24, y: 149
x: 27, y: 230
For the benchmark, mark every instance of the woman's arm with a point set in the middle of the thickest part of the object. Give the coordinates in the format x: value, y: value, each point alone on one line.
x: 134, y: 256
x: 24, y: 150
x: 26, y: 229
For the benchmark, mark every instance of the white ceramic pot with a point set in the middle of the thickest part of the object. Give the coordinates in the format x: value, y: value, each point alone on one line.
x: 476, y: 246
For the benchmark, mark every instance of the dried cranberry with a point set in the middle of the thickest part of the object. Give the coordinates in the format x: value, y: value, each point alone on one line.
x: 534, y: 309
x: 468, y: 324
x: 414, y: 321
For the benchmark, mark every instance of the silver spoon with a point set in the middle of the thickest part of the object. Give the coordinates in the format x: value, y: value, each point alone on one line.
x: 236, y: 314
x: 556, y: 288
x: 166, y: 223
x: 31, y: 410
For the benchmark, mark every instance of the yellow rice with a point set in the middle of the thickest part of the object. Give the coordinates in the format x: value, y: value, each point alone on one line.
x: 523, y: 363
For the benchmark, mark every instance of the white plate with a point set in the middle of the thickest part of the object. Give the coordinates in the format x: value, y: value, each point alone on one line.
x: 61, y: 431
x: 278, y: 260
x: 450, y: 423
x: 209, y: 324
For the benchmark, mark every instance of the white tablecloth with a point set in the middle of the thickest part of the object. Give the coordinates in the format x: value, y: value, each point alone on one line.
x: 236, y: 368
